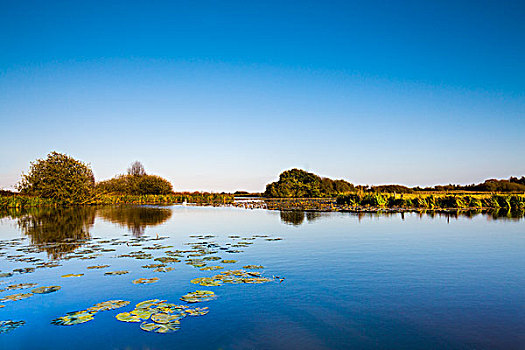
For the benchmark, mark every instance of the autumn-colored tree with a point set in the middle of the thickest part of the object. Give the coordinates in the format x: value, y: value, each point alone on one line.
x: 59, y: 177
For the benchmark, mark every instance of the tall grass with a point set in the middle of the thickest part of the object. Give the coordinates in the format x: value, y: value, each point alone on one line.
x: 433, y: 201
x: 20, y: 201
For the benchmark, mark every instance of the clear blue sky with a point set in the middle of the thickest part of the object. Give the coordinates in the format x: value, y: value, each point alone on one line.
x: 225, y: 95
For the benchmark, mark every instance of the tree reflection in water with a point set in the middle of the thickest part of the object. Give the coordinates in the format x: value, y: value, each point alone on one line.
x: 296, y: 217
x: 56, y: 231
x: 135, y: 218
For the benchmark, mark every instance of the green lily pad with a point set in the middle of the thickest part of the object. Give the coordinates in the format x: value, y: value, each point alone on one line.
x: 198, y: 311
x: 198, y: 296
x: 163, y: 318
x: 9, y: 325
x: 108, y: 305
x: 143, y: 314
x: 253, y: 267
x: 73, y: 318
x: 46, y: 290
x: 211, y: 268
x: 148, y: 303
x: 128, y: 317
x: 206, y: 281
x: 229, y: 261
x: 160, y: 328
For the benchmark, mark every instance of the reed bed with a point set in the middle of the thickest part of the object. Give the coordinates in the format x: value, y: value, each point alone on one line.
x: 201, y: 198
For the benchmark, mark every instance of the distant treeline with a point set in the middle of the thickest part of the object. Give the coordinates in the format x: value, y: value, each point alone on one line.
x: 513, y: 184
x: 296, y: 183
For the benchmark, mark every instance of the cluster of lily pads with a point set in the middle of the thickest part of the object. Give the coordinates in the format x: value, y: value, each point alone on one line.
x: 20, y: 296
x: 159, y: 316
x: 9, y: 325
x: 154, y: 315
x: 232, y: 277
x: 83, y: 316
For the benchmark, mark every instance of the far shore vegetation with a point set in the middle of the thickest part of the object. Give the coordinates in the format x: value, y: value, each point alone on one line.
x: 60, y: 180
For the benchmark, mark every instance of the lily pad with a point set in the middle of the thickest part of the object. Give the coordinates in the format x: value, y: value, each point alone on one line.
x: 73, y: 275
x: 97, y: 267
x: 199, y: 296
x: 211, y: 268
x: 163, y: 318
x: 253, y: 267
x: 212, y: 258
x: 20, y: 286
x: 108, y: 305
x: 146, y: 280
x: 16, y: 297
x: 148, y: 303
x: 206, y: 281
x: 46, y: 290
x: 198, y: 311
x: 116, y: 273
x: 229, y: 261
x: 160, y: 328
x: 153, y: 266
x: 73, y: 318
x: 142, y: 313
x: 9, y: 325
x: 128, y: 317
x: 167, y: 259
x: 164, y: 269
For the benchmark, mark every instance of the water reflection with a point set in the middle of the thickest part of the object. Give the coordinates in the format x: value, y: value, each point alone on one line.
x: 56, y: 231
x: 59, y: 231
x: 135, y: 218
x: 297, y: 217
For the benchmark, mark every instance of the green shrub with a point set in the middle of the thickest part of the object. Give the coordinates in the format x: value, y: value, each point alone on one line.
x: 59, y: 177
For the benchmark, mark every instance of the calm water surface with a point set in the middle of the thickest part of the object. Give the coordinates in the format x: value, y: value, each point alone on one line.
x: 350, y: 282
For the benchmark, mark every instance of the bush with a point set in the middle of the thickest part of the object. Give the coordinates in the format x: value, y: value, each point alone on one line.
x: 296, y: 183
x: 136, y: 185
x: 59, y: 177
x: 151, y: 184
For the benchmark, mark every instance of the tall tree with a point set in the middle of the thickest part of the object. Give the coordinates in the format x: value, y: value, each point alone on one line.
x: 136, y: 169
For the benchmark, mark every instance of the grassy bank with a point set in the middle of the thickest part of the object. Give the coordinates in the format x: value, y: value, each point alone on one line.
x: 374, y: 202
x: 201, y: 198
x: 433, y: 201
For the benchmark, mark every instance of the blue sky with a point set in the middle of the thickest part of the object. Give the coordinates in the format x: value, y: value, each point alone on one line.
x: 224, y: 95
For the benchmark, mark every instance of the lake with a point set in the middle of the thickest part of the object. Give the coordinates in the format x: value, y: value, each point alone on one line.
x: 329, y: 280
